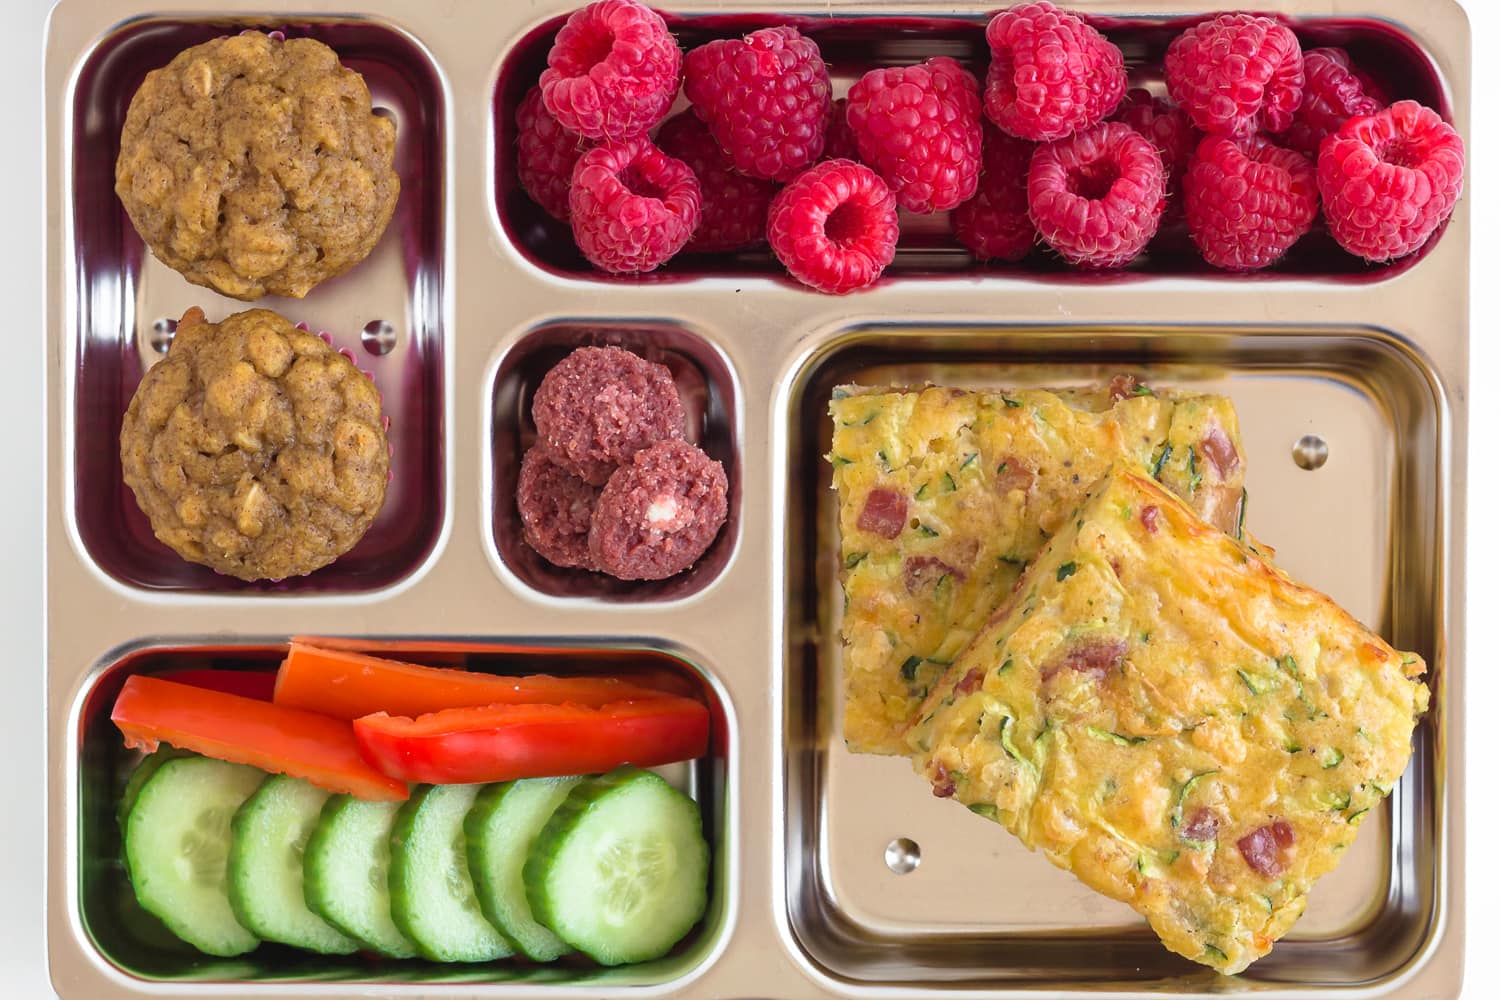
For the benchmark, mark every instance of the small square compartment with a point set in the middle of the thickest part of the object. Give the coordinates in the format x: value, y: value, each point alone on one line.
x: 112, y: 927
x: 853, y: 44
x: 1367, y: 528
x: 127, y: 302
x: 707, y: 387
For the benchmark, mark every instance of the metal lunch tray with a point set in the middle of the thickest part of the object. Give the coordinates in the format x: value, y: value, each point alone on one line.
x: 472, y: 294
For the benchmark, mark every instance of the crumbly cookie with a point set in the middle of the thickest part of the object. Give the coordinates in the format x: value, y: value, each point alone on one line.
x: 254, y: 166
x: 255, y: 448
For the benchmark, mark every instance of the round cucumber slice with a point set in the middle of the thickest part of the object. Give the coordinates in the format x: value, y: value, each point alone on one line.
x: 177, y: 840
x: 620, y: 871
x: 346, y: 873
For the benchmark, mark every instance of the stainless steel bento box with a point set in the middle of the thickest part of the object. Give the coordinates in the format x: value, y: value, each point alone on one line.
x: 473, y: 294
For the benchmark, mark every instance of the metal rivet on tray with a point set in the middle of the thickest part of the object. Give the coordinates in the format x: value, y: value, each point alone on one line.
x: 1310, y: 452
x: 161, y: 334
x: 902, y: 855
x: 378, y: 337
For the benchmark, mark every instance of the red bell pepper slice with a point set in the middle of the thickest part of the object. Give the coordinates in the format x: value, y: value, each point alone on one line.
x: 349, y: 685
x: 257, y: 684
x: 150, y: 710
x: 504, y: 742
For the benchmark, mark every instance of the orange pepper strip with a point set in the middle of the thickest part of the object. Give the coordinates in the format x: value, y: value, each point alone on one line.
x: 246, y: 731
x: 350, y: 685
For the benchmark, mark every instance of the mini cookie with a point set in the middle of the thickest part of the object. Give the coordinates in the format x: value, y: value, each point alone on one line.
x: 600, y: 405
x: 659, y: 514
x: 255, y: 448
x: 254, y: 166
x: 556, y: 508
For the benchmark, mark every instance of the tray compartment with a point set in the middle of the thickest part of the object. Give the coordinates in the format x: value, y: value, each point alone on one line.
x: 127, y: 302
x: 1368, y: 531
x: 707, y: 387
x: 852, y: 45
x: 112, y: 924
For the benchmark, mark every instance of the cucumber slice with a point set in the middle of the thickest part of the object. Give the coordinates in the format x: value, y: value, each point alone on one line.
x: 432, y: 895
x: 500, y: 830
x: 145, y: 769
x: 346, y: 873
x: 177, y: 839
x: 620, y: 871
x: 265, y: 866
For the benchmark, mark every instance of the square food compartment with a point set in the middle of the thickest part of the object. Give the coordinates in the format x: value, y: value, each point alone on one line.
x: 110, y: 928
x: 388, y: 311
x: 853, y: 44
x: 706, y: 384
x: 1343, y: 433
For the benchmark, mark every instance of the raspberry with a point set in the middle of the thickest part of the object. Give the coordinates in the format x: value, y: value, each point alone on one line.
x: 633, y: 206
x: 1334, y: 92
x: 766, y: 99
x: 1390, y: 179
x: 613, y: 70
x: 840, y: 143
x: 1050, y: 73
x: 1097, y: 196
x: 1166, y: 125
x: 1248, y: 201
x: 918, y: 127
x: 545, y: 155
x: 734, y: 206
x: 994, y: 224
x: 1236, y: 75
x: 834, y: 227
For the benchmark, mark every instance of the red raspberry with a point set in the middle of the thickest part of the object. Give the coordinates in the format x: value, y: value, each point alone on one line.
x: 613, y: 70
x: 1335, y: 91
x: 1390, y: 179
x: 840, y: 143
x: 1166, y: 125
x: 1248, y: 201
x: 1236, y: 75
x: 918, y: 127
x: 545, y: 155
x: 1097, y: 196
x: 1050, y: 73
x: 834, y: 227
x: 994, y: 224
x: 633, y: 206
x: 734, y: 206
x: 766, y: 99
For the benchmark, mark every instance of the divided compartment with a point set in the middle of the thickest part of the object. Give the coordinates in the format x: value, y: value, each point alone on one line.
x: 855, y: 44
x: 127, y: 301
x: 706, y: 384
x: 981, y: 912
x: 132, y: 942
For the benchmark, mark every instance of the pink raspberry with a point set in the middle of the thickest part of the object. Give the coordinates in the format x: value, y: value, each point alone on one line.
x: 1050, y: 73
x: 766, y: 99
x: 734, y: 206
x: 1334, y: 91
x: 840, y: 143
x: 1166, y: 125
x: 918, y: 127
x: 834, y: 227
x: 633, y: 206
x: 995, y: 224
x: 1248, y: 201
x: 613, y: 70
x: 1236, y: 74
x: 1097, y: 196
x: 545, y: 155
x: 1390, y: 179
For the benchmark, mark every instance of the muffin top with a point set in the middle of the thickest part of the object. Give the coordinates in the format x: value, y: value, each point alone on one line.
x: 254, y: 166
x: 255, y: 448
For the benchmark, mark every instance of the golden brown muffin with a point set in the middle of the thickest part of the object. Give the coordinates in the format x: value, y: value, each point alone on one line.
x: 255, y: 167
x: 255, y: 448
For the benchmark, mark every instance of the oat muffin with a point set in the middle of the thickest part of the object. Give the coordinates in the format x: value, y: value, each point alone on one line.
x: 254, y: 166
x: 255, y: 448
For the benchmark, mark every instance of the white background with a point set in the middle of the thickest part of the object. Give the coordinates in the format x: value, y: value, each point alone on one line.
x: 22, y: 338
